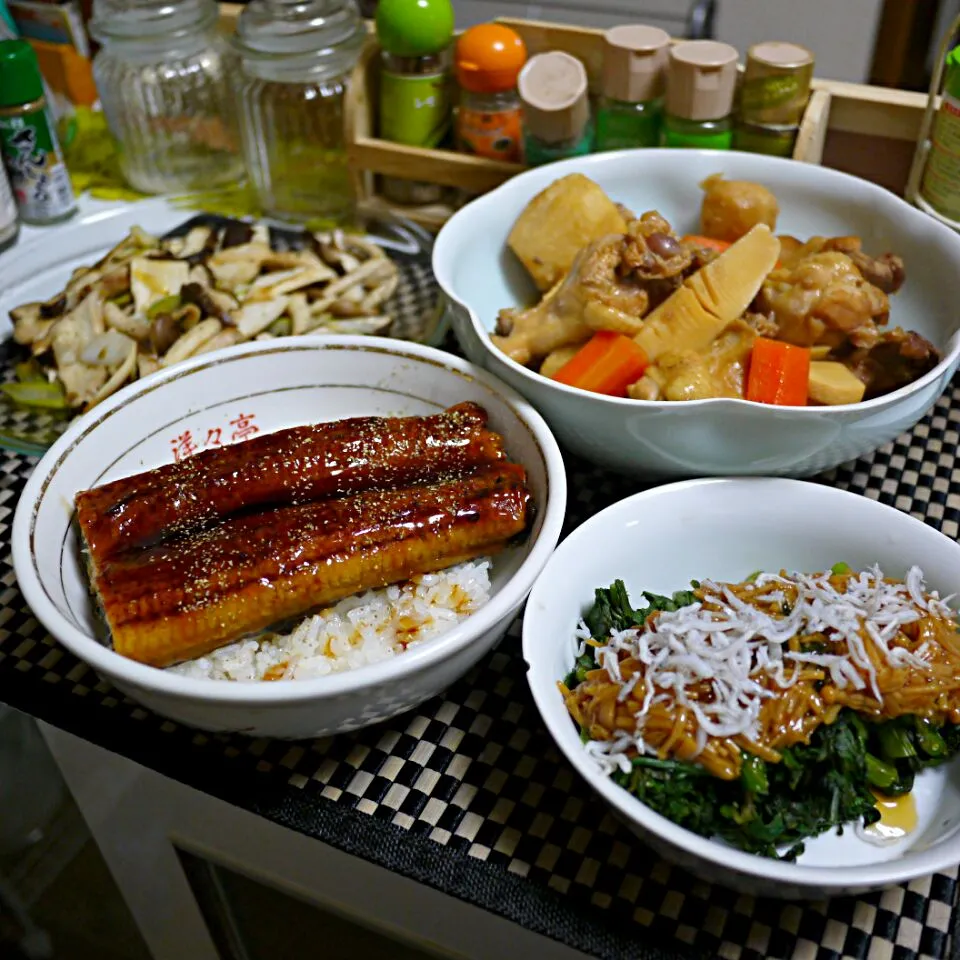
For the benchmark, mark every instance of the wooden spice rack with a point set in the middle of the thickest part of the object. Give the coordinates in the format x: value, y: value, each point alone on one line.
x: 867, y: 131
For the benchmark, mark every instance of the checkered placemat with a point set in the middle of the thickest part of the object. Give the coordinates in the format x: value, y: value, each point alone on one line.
x: 468, y: 794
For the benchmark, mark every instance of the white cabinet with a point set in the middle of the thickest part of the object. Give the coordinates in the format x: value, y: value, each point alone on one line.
x: 841, y: 34
x: 670, y: 15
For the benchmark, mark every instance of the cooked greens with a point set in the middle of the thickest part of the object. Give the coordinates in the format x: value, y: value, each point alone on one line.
x: 772, y: 808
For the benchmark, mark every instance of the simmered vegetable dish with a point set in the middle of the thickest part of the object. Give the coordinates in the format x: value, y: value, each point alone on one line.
x: 632, y: 309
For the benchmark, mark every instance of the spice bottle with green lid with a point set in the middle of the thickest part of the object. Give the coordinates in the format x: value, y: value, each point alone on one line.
x: 940, y: 186
x: 415, y: 105
x: 701, y: 82
x: 28, y: 139
x: 630, y: 109
x: 556, y: 108
x: 773, y: 96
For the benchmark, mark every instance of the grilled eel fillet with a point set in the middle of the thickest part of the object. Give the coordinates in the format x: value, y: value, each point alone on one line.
x: 180, y: 600
x: 298, y: 465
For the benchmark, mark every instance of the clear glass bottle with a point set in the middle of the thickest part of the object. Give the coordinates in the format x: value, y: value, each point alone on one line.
x: 162, y: 77
x: 296, y: 57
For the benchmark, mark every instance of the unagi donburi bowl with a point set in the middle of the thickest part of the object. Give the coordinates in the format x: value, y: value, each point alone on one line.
x: 717, y: 437
x: 268, y: 386
x: 725, y: 529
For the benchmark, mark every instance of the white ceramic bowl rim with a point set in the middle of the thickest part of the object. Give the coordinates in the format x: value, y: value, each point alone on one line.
x: 419, y: 659
x: 944, y: 855
x: 441, y: 267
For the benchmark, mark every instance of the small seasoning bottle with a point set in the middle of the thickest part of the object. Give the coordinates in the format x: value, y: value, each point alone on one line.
x: 490, y: 116
x: 773, y: 96
x: 701, y: 81
x: 556, y: 109
x: 940, y: 185
x: 9, y: 220
x: 28, y: 139
x: 415, y: 84
x: 630, y: 110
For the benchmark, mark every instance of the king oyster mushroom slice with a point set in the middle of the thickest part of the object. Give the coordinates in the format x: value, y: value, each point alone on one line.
x: 381, y: 293
x: 301, y: 320
x: 253, y: 318
x: 191, y: 341
x: 270, y: 285
x: 212, y: 302
x: 152, y: 280
x: 80, y: 382
x: 193, y: 243
x: 146, y: 365
x: 334, y: 291
x: 28, y: 325
x: 132, y: 324
x: 237, y: 266
x: 70, y: 336
x: 120, y: 376
x: 108, y: 349
x: 225, y: 338
x: 367, y: 326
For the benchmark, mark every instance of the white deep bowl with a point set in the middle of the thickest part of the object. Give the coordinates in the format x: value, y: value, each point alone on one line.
x: 722, y: 437
x: 281, y: 383
x: 662, y: 539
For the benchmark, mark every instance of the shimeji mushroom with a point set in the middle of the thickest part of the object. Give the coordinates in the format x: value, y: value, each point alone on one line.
x: 149, y: 303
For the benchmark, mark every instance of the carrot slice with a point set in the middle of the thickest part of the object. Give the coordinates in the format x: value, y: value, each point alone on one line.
x: 779, y: 373
x: 708, y: 242
x: 607, y: 363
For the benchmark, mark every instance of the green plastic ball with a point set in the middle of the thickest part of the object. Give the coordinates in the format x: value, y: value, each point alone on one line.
x: 414, y: 28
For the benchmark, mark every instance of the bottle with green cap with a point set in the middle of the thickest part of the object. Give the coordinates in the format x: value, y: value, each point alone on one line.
x: 28, y: 139
x: 415, y: 107
x: 940, y: 186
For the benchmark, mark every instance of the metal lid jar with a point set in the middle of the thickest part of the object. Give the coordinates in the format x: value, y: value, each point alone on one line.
x: 161, y: 74
x: 295, y: 64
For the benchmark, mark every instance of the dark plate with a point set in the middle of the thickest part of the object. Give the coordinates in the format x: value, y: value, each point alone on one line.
x: 414, y: 307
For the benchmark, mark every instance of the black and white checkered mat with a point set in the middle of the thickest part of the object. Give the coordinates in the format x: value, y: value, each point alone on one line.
x: 468, y: 794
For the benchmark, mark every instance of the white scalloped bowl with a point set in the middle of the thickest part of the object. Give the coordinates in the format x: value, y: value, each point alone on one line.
x: 725, y: 529
x: 719, y: 437
x: 277, y: 384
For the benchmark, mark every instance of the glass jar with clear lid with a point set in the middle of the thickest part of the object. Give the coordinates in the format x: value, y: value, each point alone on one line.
x: 296, y: 57
x: 162, y: 75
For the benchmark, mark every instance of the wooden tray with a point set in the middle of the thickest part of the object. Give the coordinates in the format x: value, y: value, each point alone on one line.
x: 867, y: 131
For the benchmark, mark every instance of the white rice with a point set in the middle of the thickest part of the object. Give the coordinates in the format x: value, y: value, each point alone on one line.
x: 362, y: 629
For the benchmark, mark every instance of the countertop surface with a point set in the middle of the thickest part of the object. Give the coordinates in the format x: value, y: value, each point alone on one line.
x: 468, y: 794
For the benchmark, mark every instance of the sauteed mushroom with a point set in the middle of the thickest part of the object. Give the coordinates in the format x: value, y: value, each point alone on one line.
x: 150, y: 303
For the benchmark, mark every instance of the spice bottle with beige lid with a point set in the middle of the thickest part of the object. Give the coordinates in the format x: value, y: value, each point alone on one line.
x: 630, y: 109
x: 556, y: 108
x: 701, y: 82
x: 773, y: 97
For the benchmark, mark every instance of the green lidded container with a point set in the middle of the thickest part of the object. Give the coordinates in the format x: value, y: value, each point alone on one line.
x: 776, y: 84
x: 771, y: 141
x: 28, y: 139
x: 701, y: 83
x: 20, y: 79
x: 940, y: 186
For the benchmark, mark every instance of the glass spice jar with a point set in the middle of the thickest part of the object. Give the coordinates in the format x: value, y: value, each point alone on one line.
x: 161, y: 74
x: 296, y: 57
